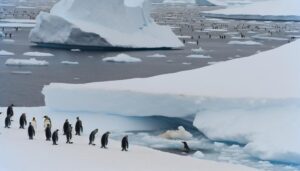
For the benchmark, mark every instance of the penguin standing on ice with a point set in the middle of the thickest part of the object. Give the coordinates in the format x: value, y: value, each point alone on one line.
x: 7, y: 121
x: 66, y: 126
x: 48, y: 133
x: 125, y: 143
x: 186, y: 147
x: 31, y: 131
x: 10, y: 110
x: 23, y: 121
x: 47, y: 121
x: 55, y: 137
x: 78, y: 127
x: 92, y: 137
x: 69, y: 134
x: 104, y: 140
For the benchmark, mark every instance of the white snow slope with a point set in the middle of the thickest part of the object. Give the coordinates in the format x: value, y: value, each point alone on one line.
x: 266, y: 10
x: 263, y: 87
x: 18, y: 153
x: 102, y: 23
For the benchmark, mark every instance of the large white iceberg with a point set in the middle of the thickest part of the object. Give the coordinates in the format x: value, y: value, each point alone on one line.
x: 253, y: 101
x: 102, y: 24
x: 265, y: 10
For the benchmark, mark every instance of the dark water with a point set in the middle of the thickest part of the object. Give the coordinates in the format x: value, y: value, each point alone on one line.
x: 25, y: 89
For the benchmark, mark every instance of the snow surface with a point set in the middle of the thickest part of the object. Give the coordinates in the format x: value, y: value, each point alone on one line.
x: 257, y: 88
x: 102, y: 23
x: 266, y: 10
x: 122, y: 58
x: 38, y: 154
x: 26, y: 62
x: 38, y: 54
x: 181, y: 133
x: 6, y: 53
x: 249, y: 42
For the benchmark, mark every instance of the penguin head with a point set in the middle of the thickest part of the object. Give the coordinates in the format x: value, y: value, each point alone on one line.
x: 77, y: 118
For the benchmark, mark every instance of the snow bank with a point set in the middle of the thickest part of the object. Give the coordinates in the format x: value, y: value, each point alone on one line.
x: 267, y: 10
x: 122, y: 58
x: 6, y: 53
x: 181, y: 134
x: 15, y: 146
x: 246, y: 90
x: 38, y: 54
x: 249, y: 42
x: 102, y: 23
x: 26, y: 62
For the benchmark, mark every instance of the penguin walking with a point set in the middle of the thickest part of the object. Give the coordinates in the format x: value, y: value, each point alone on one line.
x: 78, y: 127
x: 69, y: 134
x: 104, y: 140
x: 48, y: 133
x: 55, y: 137
x: 66, y: 126
x: 31, y: 131
x: 23, y: 121
x: 125, y: 144
x: 8, y: 121
x: 186, y: 147
x: 92, y: 137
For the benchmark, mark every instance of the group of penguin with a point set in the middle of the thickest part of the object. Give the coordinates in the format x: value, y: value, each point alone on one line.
x: 67, y: 130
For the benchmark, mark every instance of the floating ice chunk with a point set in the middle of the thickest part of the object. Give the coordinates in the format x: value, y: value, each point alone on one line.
x: 75, y: 50
x: 122, y: 58
x: 8, y: 41
x: 181, y: 133
x: 199, y: 50
x: 266, y: 37
x: 104, y: 24
x: 198, y: 56
x: 37, y: 54
x: 69, y: 62
x: 21, y: 72
x: 6, y: 53
x: 244, y: 43
x: 26, y: 62
x: 157, y: 55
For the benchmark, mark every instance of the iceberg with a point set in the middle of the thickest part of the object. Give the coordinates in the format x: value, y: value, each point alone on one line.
x: 102, y: 24
x: 266, y: 10
x: 252, y: 101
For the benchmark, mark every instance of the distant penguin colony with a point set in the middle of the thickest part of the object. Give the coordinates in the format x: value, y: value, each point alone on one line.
x: 67, y: 131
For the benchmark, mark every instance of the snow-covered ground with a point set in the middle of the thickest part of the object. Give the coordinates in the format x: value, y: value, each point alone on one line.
x: 103, y: 23
x: 265, y: 10
x: 37, y: 154
x: 255, y: 87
